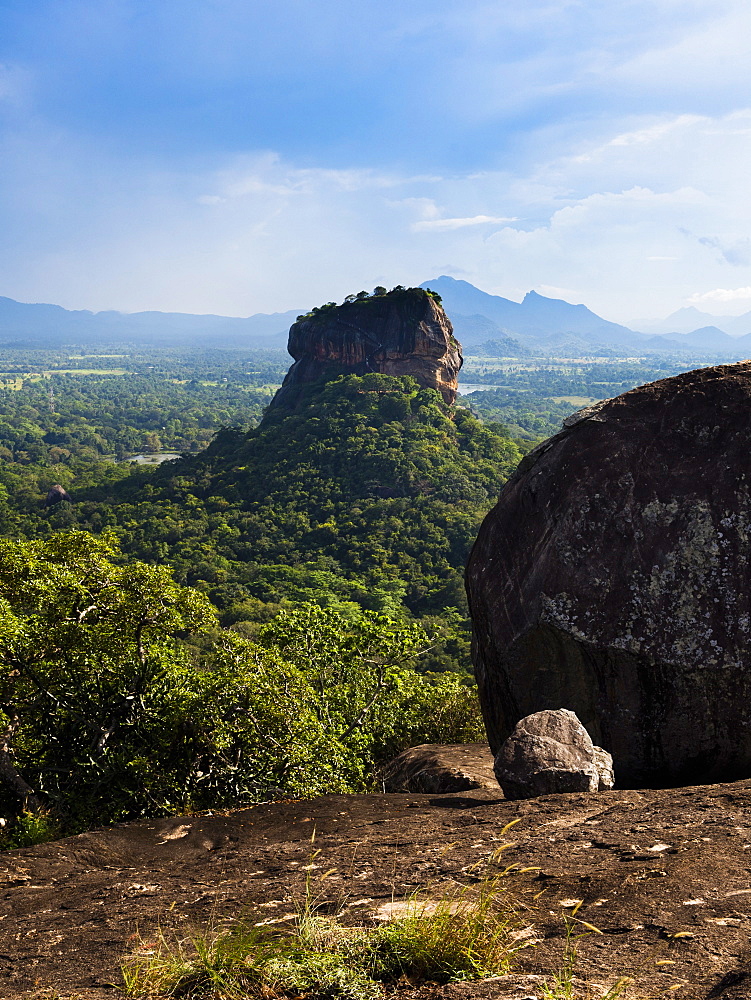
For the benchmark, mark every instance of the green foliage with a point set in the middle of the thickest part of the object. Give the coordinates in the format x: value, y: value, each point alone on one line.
x: 65, y: 418
x: 532, y: 398
x: 399, y: 294
x: 86, y: 649
x: 462, y: 936
x: 332, y: 542
x: 110, y: 713
x: 367, y: 498
x: 29, y: 829
x: 528, y: 416
x: 371, y: 493
x: 365, y: 690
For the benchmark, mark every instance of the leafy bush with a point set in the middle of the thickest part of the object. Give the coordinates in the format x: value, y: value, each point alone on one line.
x: 109, y: 712
x: 28, y: 829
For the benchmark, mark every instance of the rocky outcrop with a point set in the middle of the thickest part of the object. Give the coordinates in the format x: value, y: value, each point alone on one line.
x: 56, y: 494
x: 403, y: 332
x: 551, y: 752
x: 441, y: 768
x: 613, y: 576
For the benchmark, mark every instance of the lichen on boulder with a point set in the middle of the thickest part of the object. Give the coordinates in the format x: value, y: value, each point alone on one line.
x: 613, y: 577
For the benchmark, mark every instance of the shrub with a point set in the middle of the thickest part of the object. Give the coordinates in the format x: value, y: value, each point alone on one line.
x: 109, y: 714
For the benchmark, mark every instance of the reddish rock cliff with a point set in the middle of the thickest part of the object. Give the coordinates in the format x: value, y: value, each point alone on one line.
x: 404, y: 332
x: 613, y: 579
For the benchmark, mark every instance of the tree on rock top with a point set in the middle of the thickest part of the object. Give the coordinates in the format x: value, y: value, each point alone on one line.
x: 401, y: 332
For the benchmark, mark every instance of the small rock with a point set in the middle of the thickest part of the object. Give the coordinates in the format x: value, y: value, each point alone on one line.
x: 441, y: 769
x: 551, y: 751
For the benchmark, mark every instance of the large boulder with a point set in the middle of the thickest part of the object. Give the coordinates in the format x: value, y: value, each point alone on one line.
x: 614, y: 577
x: 551, y: 752
x: 404, y: 332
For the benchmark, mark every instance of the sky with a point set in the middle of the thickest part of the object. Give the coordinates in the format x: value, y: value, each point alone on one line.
x: 243, y: 156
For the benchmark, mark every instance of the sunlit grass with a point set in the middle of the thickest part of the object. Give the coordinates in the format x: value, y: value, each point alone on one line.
x: 464, y: 934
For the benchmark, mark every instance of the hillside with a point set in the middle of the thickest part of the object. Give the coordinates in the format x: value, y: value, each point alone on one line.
x: 331, y: 539
x: 370, y: 493
x: 367, y: 494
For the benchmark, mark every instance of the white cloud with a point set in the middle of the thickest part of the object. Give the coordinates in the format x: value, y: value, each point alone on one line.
x: 449, y: 224
x: 654, y: 133
x: 721, y: 295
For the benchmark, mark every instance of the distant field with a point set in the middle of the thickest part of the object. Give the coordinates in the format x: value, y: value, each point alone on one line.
x: 574, y: 400
x: 86, y: 371
x: 15, y: 381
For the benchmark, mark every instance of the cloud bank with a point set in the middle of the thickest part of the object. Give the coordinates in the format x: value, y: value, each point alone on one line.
x: 241, y: 158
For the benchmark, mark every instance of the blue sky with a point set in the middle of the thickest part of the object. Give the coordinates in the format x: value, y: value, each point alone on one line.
x: 235, y: 157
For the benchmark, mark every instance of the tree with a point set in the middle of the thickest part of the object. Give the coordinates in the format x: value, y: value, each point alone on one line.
x: 82, y: 640
x: 111, y: 708
x: 367, y: 695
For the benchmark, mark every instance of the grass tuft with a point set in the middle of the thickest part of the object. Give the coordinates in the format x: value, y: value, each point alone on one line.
x: 29, y: 829
x: 466, y: 934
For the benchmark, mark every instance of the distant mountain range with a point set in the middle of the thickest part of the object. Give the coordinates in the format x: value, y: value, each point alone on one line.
x: 552, y: 326
x: 537, y: 325
x: 41, y: 325
x: 690, y: 319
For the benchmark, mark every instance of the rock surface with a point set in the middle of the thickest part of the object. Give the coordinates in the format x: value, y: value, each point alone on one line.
x: 547, y: 752
x: 56, y: 494
x: 605, y: 770
x: 405, y: 332
x: 613, y: 577
x: 440, y: 768
x: 663, y: 873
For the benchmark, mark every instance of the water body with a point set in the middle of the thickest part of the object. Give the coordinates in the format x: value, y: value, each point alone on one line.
x: 466, y: 387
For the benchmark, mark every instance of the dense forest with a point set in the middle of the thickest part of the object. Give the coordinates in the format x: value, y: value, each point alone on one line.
x: 368, y: 497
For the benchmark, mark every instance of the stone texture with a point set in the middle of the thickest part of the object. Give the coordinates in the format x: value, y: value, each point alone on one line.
x: 605, y: 769
x: 56, y: 494
x: 663, y: 873
x: 404, y: 332
x: 547, y: 752
x: 613, y: 576
x: 441, y: 768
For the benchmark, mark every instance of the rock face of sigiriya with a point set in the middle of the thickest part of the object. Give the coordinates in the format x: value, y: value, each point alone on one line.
x: 403, y: 332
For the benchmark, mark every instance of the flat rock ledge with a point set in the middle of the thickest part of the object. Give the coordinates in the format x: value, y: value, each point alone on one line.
x: 664, y: 873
